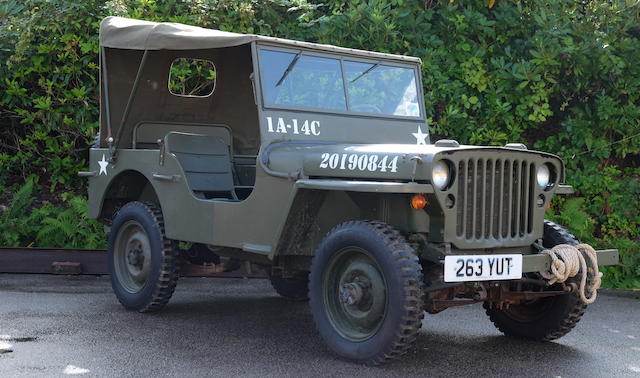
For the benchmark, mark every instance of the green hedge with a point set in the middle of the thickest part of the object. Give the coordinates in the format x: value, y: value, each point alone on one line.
x: 560, y: 76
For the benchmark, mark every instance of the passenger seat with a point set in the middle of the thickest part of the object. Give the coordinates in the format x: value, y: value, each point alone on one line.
x: 206, y: 161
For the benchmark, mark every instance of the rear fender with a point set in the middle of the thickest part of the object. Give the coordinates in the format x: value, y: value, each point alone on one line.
x: 129, y: 185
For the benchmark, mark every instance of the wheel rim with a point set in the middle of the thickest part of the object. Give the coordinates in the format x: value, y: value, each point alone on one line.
x: 355, y: 294
x: 132, y: 256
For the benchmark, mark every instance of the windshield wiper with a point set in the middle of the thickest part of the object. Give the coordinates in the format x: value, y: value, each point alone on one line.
x: 366, y: 72
x: 289, y: 68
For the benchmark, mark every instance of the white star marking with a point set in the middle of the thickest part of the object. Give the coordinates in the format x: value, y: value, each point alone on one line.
x: 103, y: 165
x: 421, y: 138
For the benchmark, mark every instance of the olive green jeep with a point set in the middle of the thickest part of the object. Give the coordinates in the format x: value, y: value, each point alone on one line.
x: 315, y: 161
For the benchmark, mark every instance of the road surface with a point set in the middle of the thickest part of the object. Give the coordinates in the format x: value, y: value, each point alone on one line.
x: 73, y: 325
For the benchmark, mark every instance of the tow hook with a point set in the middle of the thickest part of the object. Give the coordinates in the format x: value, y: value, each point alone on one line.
x: 570, y: 287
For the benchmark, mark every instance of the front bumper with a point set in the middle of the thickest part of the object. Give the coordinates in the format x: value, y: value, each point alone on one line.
x: 538, y: 262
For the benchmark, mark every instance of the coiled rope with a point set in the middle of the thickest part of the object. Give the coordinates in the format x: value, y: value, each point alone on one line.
x: 567, y: 261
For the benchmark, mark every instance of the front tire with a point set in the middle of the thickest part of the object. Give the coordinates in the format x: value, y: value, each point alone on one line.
x: 366, y: 292
x: 547, y: 318
x: 143, y: 263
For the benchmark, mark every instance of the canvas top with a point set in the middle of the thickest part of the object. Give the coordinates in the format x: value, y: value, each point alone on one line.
x: 127, y: 33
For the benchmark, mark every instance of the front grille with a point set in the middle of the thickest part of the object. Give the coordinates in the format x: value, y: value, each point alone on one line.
x: 495, y: 198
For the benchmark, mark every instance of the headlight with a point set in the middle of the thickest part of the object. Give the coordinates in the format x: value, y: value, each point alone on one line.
x: 441, y: 174
x: 543, y: 176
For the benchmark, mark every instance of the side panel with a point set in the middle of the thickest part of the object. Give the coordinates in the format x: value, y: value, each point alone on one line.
x: 252, y: 224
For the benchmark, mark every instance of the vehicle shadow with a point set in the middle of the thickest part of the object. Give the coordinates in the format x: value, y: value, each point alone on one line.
x: 282, y: 332
x: 495, y: 355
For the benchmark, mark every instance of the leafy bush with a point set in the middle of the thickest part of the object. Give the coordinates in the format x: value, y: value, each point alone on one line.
x: 48, y: 88
x: 47, y: 225
x: 559, y: 76
x: 13, y: 218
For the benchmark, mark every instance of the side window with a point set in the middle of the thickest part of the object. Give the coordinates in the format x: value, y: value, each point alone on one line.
x: 192, y: 77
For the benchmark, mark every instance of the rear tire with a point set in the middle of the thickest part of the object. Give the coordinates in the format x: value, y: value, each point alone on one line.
x: 143, y: 263
x: 366, y: 292
x: 542, y: 319
x: 291, y: 288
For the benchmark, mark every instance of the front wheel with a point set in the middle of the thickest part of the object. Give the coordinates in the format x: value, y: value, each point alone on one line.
x: 143, y: 263
x: 366, y: 292
x: 547, y: 318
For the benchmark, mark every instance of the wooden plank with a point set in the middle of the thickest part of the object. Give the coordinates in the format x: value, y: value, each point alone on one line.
x: 40, y: 260
x: 94, y: 262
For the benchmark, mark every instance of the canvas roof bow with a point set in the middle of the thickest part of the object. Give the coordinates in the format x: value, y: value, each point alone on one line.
x: 127, y: 33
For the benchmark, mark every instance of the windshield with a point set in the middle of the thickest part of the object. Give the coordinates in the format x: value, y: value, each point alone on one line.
x: 307, y: 81
x: 302, y: 80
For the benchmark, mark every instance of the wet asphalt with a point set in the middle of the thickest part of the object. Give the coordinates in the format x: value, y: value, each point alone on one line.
x: 64, y: 325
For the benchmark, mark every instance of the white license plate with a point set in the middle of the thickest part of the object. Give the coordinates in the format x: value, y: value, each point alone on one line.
x: 462, y: 268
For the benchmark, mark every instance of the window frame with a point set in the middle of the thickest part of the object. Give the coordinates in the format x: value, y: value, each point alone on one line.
x: 215, y: 81
x: 341, y: 58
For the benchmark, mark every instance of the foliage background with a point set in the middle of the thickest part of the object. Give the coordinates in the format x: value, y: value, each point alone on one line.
x: 560, y: 76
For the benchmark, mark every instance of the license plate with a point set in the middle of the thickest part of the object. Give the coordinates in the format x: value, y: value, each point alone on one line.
x: 462, y: 268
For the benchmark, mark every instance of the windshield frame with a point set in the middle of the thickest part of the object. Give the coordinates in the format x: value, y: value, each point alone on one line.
x: 341, y: 58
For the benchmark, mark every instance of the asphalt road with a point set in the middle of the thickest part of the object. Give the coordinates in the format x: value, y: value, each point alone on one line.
x: 60, y: 326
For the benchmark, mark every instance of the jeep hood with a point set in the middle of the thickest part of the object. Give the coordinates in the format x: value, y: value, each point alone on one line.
x: 384, y: 162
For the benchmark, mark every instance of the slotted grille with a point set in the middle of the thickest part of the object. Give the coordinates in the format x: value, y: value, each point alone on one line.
x: 495, y: 198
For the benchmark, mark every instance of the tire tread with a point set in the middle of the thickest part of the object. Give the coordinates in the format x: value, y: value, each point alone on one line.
x: 170, y: 267
x: 413, y: 285
x: 558, y: 235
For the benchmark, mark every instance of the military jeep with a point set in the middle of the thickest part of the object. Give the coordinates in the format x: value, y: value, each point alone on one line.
x: 315, y: 161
